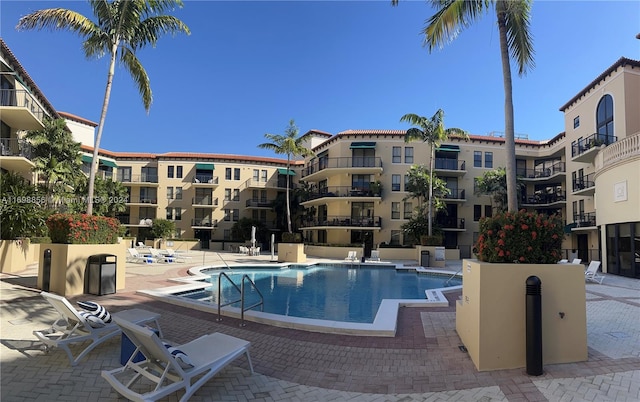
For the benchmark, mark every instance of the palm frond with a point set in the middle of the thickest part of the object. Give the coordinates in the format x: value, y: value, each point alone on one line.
x: 139, y: 75
x: 58, y: 19
x: 519, y: 39
x: 450, y: 18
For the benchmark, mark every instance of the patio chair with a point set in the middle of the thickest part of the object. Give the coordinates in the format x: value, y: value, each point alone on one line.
x: 168, y: 369
x: 375, y: 256
x: 577, y: 261
x: 78, y: 327
x: 563, y: 261
x: 134, y: 255
x: 178, y: 256
x: 591, y: 274
x: 352, y: 256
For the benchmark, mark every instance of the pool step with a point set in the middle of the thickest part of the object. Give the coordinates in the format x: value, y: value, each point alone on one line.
x: 436, y: 298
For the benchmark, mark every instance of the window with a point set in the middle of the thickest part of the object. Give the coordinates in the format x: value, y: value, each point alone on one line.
x: 576, y: 122
x: 395, y: 182
x: 395, y: 237
x: 264, y: 175
x: 236, y: 174
x: 124, y: 174
x: 227, y: 173
x: 227, y: 194
x: 488, y: 211
x: 169, y: 214
x: 227, y: 215
x: 396, y: 155
x: 477, y: 159
x: 256, y: 174
x: 406, y: 182
x: 170, y: 171
x: 149, y: 174
x: 604, y: 119
x: 395, y: 210
x: 263, y: 195
x: 236, y: 215
x: 227, y: 234
x: 178, y: 193
x: 408, y: 155
x: 408, y: 210
x: 169, y: 193
x: 488, y: 160
x: 236, y: 194
x: 177, y: 214
x: 477, y: 212
x: 179, y: 172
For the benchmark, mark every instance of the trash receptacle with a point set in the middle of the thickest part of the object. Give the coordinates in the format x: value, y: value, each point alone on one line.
x: 424, y: 258
x: 102, y: 274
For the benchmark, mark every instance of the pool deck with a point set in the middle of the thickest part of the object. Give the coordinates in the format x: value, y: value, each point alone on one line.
x: 423, y: 362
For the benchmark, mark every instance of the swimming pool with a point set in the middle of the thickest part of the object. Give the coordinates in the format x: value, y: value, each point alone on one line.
x: 334, y: 292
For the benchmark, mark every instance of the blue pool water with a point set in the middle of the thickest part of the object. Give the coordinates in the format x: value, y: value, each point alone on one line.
x: 323, y: 292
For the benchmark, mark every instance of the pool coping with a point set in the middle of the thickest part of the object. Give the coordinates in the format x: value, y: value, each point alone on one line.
x: 384, y: 323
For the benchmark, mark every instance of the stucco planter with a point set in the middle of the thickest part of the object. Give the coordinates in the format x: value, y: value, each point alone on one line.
x: 291, y: 252
x: 68, y: 273
x: 490, y: 317
x: 15, y: 255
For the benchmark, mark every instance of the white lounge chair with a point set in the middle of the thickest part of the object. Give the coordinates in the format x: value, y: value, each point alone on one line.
x: 165, y: 372
x: 577, y: 261
x: 178, y: 256
x: 563, y: 261
x: 134, y: 255
x: 352, y: 256
x: 375, y: 256
x: 591, y: 274
x: 73, y: 328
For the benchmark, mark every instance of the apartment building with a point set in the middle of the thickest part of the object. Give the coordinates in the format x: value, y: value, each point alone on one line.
x: 355, y: 184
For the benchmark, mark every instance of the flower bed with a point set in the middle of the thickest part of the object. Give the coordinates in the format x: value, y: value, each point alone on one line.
x: 83, y: 229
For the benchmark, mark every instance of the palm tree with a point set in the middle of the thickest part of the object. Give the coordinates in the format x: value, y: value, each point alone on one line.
x: 515, y: 39
x: 432, y: 132
x: 122, y: 28
x: 291, y: 145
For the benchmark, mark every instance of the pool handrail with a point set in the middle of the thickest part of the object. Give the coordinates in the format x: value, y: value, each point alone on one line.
x: 240, y: 289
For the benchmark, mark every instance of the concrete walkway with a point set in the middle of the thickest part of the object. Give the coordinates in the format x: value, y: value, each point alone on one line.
x: 423, y: 362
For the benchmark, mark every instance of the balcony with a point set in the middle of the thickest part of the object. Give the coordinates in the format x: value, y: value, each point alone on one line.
x: 451, y: 224
x: 204, y: 181
x: 446, y: 167
x: 341, y: 222
x: 139, y: 179
x: 16, y: 154
x: 455, y: 195
x: 318, y: 196
x: 585, y: 185
x: 547, y: 174
x: 585, y: 149
x: 325, y: 167
x: 271, y: 183
x: 260, y: 204
x: 20, y: 110
x: 584, y: 221
x: 133, y: 221
x: 204, y: 223
x: 204, y: 202
x: 541, y: 199
x: 143, y: 201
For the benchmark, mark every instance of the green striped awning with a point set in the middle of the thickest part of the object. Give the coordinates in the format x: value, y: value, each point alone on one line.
x: 87, y: 158
x: 205, y: 166
x: 284, y: 172
x: 449, y: 148
x: 362, y: 145
x: 105, y: 162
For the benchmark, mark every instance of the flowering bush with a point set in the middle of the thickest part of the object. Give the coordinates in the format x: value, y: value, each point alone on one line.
x: 82, y: 229
x: 524, y: 237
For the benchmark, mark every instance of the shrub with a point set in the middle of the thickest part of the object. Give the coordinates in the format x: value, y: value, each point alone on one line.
x: 291, y: 237
x: 83, y: 229
x: 522, y: 237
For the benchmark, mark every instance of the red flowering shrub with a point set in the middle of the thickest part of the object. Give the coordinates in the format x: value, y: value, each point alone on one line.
x: 82, y: 229
x: 524, y: 237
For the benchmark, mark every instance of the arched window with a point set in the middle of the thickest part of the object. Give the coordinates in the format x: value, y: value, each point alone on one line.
x: 604, y: 119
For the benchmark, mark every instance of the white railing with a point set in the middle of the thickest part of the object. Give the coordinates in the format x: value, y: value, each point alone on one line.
x: 618, y: 151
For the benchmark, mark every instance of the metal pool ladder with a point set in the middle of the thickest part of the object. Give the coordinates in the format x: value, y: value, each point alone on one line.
x: 240, y: 289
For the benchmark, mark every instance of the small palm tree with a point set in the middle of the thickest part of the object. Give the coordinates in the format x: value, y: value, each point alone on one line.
x: 291, y: 145
x: 515, y: 39
x: 122, y: 28
x: 432, y: 131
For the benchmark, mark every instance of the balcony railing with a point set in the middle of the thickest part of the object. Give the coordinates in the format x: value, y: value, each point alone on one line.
x: 544, y: 198
x: 204, y: 222
x: 585, y: 219
x: 134, y: 220
x: 204, y: 201
x: 15, y: 147
x: 21, y: 98
x: 372, y: 222
x: 143, y: 200
x: 344, y: 191
x: 584, y: 182
x: 344, y: 162
x: 138, y: 178
x: 262, y: 203
x: 592, y: 141
x: 455, y: 194
x: 450, y: 164
x: 206, y: 179
x: 542, y: 172
x: 450, y: 223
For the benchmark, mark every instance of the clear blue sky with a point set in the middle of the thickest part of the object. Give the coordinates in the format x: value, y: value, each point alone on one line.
x: 250, y: 67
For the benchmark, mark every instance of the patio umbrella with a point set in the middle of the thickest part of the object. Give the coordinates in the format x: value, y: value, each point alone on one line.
x: 253, y: 236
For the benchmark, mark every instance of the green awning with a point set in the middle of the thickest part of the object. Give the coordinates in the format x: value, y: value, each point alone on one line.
x: 284, y: 171
x: 87, y: 158
x: 362, y: 145
x: 204, y: 166
x: 449, y: 148
x: 105, y: 162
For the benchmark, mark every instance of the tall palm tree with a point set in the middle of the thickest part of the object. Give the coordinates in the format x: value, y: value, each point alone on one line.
x: 122, y: 28
x: 432, y: 131
x: 515, y: 41
x: 291, y: 145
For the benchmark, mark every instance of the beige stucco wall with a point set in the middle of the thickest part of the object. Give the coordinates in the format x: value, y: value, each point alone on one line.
x: 15, y: 255
x: 69, y: 266
x: 490, y: 317
x: 291, y: 252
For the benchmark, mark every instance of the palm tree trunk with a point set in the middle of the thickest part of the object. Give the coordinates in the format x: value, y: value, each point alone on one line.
x: 288, y: 204
x: 509, y: 134
x: 103, y: 117
x: 430, y: 212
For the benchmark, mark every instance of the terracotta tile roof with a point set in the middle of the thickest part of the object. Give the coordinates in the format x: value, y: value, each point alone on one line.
x: 318, y: 133
x: 623, y: 61
x: 79, y: 119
